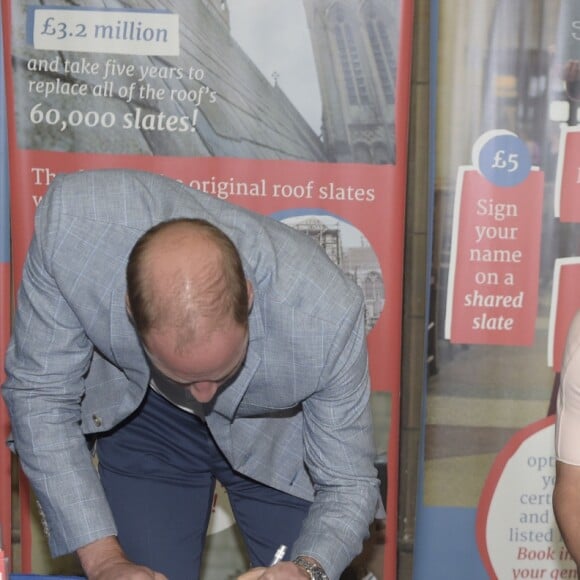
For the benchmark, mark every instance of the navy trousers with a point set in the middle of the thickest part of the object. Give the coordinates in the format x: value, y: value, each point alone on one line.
x: 159, y: 470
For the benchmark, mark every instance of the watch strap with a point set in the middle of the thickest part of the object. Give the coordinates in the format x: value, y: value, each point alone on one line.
x: 315, y: 571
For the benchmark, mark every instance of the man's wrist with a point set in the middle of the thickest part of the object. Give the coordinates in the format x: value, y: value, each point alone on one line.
x: 99, y: 554
x: 312, y: 567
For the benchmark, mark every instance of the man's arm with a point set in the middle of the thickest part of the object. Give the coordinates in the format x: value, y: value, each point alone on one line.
x: 48, y: 355
x: 566, y: 501
x: 339, y: 452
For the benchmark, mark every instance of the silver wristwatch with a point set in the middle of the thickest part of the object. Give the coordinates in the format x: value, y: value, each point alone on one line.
x: 315, y: 571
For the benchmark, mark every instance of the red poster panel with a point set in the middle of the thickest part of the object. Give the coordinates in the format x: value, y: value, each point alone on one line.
x: 5, y: 459
x: 295, y: 110
x: 567, y: 185
x: 495, y: 263
x: 5, y: 305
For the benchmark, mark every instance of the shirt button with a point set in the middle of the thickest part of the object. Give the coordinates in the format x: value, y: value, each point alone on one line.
x: 97, y: 420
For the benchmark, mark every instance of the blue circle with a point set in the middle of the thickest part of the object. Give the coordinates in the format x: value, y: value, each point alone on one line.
x: 505, y: 160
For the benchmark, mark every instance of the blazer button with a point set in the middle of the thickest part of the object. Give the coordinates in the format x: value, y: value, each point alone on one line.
x: 97, y: 420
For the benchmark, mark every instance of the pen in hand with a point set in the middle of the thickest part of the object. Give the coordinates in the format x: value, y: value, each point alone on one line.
x: 280, y: 552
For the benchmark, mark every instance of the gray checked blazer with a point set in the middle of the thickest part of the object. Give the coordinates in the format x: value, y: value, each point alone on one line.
x: 296, y: 418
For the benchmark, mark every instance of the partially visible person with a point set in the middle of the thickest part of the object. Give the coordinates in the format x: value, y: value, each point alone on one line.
x: 194, y: 341
x: 566, y: 495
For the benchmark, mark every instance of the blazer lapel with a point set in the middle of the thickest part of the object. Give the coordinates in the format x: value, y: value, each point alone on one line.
x: 227, y: 401
x: 126, y: 348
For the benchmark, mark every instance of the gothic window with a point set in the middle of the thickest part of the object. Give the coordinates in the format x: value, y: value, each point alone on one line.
x: 383, y: 55
x: 374, y: 292
x: 350, y: 62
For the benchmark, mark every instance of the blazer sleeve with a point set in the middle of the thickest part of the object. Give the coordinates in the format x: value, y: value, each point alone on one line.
x: 47, y: 357
x: 339, y: 453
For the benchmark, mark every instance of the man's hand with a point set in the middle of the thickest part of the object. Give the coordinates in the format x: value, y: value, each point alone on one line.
x: 127, y: 571
x: 105, y: 560
x: 281, y: 571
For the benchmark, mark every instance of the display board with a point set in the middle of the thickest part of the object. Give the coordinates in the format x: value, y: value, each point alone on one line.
x: 504, y: 265
x: 297, y: 110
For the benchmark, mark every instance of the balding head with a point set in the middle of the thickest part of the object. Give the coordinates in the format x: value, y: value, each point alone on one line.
x: 184, y: 277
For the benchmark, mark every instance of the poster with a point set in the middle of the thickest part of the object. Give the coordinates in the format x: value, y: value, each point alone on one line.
x: 5, y: 462
x: 495, y: 251
x: 297, y: 110
x: 506, y: 72
x: 516, y: 528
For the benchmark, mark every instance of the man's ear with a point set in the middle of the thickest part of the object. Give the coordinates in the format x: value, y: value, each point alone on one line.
x: 250, y: 294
